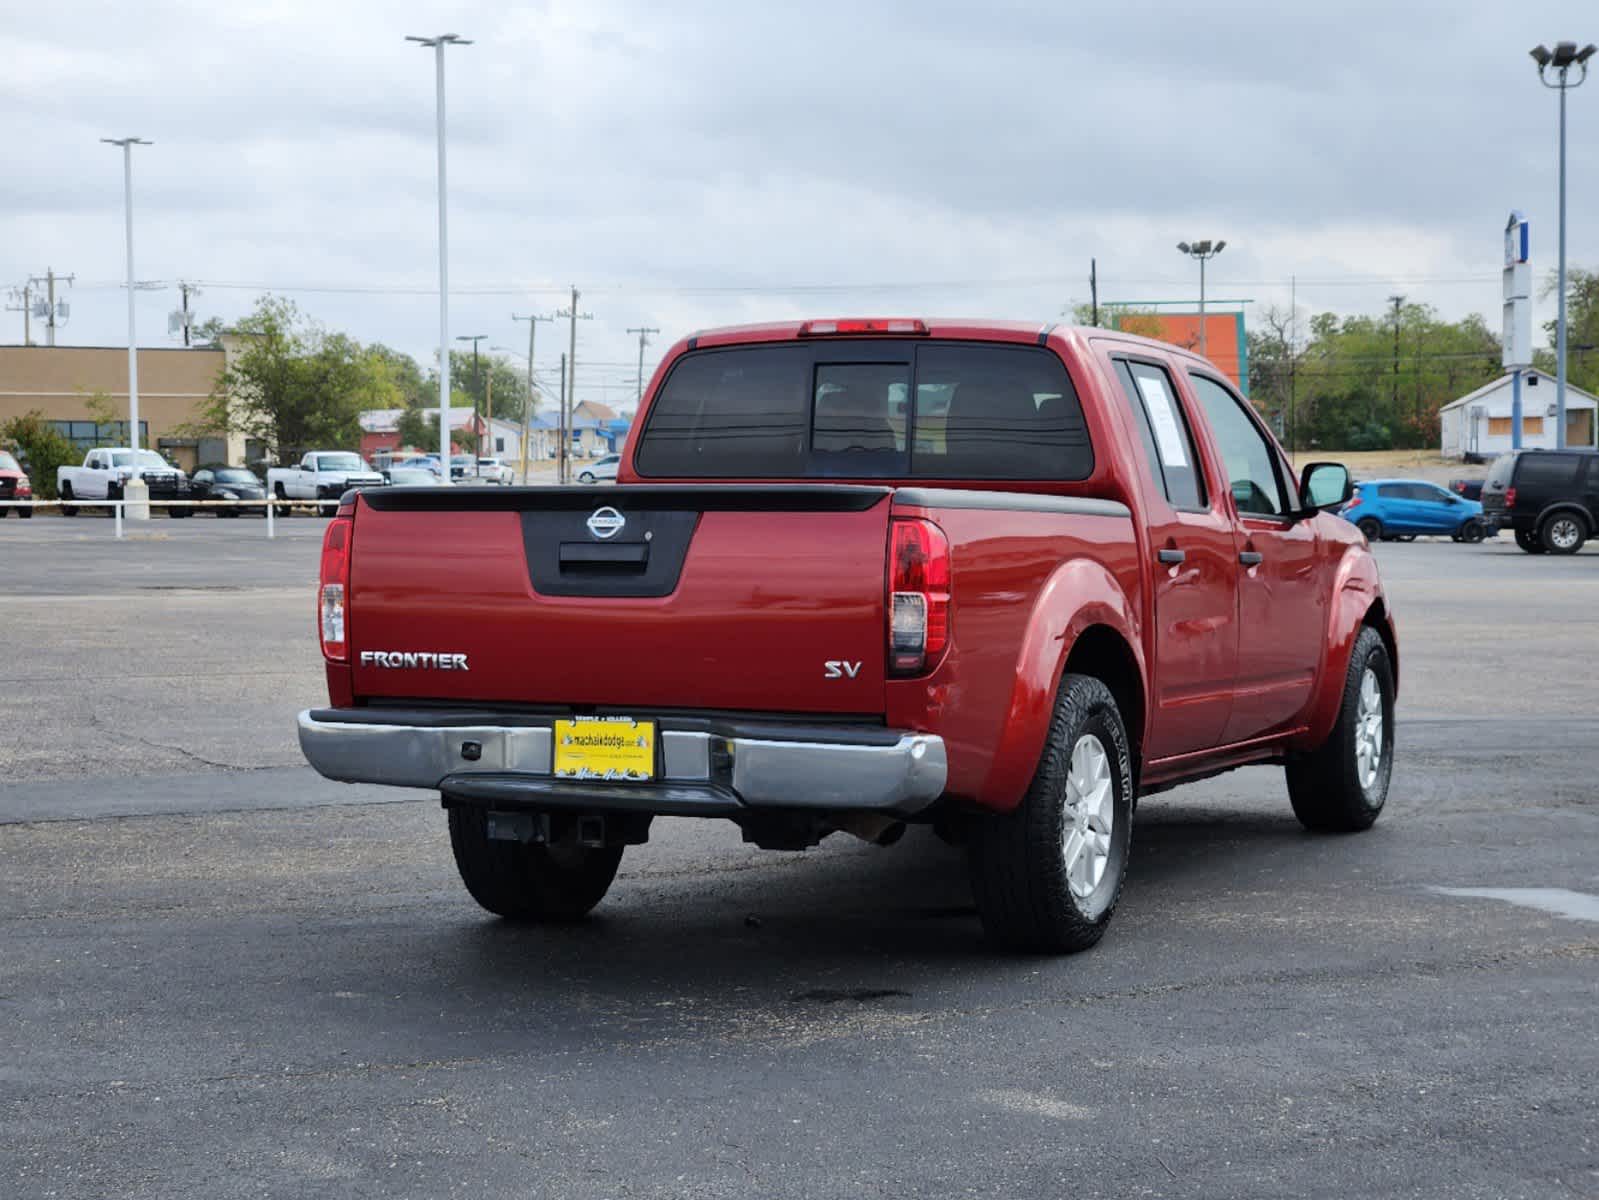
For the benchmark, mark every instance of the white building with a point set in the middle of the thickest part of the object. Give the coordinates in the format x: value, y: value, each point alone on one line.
x: 1480, y: 423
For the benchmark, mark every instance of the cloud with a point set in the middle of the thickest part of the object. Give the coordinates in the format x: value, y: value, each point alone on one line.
x: 941, y: 158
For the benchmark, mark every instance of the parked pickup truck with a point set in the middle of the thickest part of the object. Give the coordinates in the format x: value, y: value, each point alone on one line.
x: 1000, y: 578
x: 106, y: 471
x: 322, y: 475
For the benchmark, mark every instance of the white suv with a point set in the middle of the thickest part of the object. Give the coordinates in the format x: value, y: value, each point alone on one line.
x: 601, y: 470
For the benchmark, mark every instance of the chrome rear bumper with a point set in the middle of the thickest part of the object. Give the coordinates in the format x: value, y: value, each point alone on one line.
x: 700, y: 770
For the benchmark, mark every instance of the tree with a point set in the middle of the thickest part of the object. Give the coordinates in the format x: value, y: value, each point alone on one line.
x: 506, y: 382
x: 1582, y: 329
x: 296, y: 386
x: 41, y: 447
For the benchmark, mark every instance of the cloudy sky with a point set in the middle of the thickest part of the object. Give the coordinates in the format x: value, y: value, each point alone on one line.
x: 701, y: 163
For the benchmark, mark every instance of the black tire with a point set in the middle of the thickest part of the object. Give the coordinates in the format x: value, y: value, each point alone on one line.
x: 68, y: 509
x: 1562, y: 533
x: 1472, y: 532
x: 1371, y: 527
x: 1018, y: 862
x: 586, y: 477
x: 285, y: 509
x: 25, y: 513
x: 529, y: 881
x: 1325, y: 786
x: 1528, y: 541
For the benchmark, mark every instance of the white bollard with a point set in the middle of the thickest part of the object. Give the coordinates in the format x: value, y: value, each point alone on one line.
x: 271, y: 507
x: 116, y: 510
x: 136, y: 493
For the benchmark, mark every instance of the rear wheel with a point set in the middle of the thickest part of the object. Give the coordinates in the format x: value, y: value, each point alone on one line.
x: 1047, y: 876
x: 529, y: 881
x: 1371, y: 527
x: 1341, y: 786
x: 1563, y: 533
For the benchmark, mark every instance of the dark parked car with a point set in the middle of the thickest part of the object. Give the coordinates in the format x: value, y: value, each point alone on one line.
x: 1550, y: 498
x: 217, y: 481
x: 1470, y: 489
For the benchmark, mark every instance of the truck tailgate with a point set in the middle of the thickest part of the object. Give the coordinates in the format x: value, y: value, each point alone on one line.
x: 723, y: 598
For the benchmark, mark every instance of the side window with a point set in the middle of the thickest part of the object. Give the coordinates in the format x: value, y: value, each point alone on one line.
x: 997, y: 412
x: 1250, y: 458
x: 1168, y: 442
x: 201, y: 477
x: 1392, y: 491
x: 1548, y: 471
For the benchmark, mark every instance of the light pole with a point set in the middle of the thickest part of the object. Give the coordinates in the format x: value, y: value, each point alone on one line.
x: 135, y: 483
x: 477, y: 390
x: 1562, y: 58
x: 437, y: 45
x: 1201, y: 251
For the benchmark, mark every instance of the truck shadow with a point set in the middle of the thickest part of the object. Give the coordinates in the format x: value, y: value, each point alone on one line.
x: 857, y: 924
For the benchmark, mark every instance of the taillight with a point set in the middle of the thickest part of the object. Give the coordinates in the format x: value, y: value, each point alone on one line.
x: 1510, y: 497
x: 918, y: 595
x: 1354, y: 502
x: 334, y: 587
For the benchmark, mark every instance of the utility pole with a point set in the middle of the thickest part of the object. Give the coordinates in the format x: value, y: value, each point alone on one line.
x: 51, y: 312
x: 527, y: 412
x: 1093, y: 290
x: 477, y: 386
x: 569, y: 376
x: 25, y: 294
x: 186, y: 290
x: 643, y: 332
x: 1293, y: 341
x: 1396, y: 301
x: 560, y: 453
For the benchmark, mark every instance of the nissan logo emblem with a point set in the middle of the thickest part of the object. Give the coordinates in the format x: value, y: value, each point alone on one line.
x: 605, y: 522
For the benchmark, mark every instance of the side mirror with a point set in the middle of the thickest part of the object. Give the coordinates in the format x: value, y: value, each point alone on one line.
x: 1324, y: 485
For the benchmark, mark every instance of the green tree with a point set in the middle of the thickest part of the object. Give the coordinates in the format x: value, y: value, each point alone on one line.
x: 1582, y: 329
x: 41, y: 447
x: 495, y: 376
x: 296, y: 386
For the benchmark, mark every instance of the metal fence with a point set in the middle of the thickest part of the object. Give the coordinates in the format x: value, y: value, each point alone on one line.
x: 117, y: 507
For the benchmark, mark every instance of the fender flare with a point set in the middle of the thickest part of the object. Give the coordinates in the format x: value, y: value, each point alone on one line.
x: 1078, y: 596
x: 1356, y: 599
x: 1570, y: 506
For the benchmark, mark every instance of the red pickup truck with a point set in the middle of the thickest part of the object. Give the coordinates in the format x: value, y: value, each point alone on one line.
x: 999, y: 577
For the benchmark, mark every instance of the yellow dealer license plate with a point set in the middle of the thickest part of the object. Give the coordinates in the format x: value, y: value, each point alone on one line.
x: 605, y: 748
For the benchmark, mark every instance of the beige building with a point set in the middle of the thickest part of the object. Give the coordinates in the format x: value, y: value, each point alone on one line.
x: 174, y: 384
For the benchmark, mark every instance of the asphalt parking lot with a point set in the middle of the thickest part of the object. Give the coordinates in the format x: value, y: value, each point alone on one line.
x: 221, y: 976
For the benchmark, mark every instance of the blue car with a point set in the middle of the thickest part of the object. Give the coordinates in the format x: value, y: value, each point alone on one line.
x: 1403, y: 509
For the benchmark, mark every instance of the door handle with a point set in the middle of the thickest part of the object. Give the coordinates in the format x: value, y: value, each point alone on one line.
x: 1251, y: 558
x: 1171, y: 558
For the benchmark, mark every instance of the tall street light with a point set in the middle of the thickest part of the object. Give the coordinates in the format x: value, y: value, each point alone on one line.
x: 437, y: 45
x: 1201, y: 251
x: 477, y: 390
x: 1554, y: 69
x: 135, y: 482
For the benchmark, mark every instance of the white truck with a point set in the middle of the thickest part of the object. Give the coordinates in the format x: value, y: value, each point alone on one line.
x: 106, y: 470
x: 322, y: 475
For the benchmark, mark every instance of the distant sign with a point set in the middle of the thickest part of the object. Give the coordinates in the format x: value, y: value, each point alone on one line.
x: 1516, y: 331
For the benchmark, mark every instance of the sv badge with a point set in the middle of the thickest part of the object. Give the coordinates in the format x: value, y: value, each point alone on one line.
x: 839, y: 669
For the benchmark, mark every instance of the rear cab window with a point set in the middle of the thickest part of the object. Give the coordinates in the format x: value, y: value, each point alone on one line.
x: 868, y: 409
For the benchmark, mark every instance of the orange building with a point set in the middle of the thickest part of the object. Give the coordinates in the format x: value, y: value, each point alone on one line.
x: 1225, y: 344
